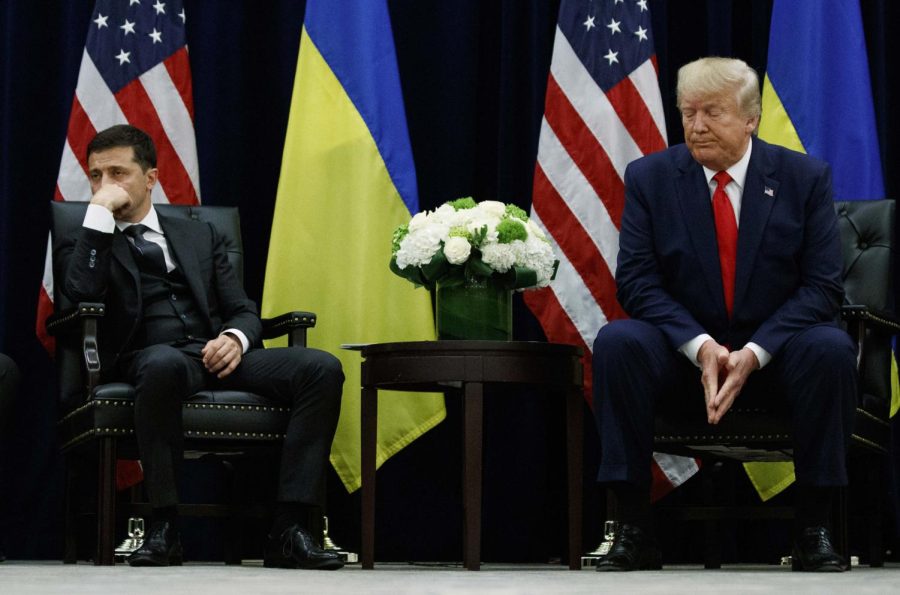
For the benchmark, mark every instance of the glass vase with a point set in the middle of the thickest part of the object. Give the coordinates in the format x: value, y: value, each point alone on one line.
x: 478, y: 309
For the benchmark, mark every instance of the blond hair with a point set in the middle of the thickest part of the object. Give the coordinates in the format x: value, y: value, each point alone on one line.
x: 714, y: 75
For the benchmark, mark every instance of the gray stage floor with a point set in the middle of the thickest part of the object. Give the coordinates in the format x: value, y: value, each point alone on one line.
x: 251, y: 578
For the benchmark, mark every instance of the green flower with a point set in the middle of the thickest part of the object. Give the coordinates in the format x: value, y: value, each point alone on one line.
x: 510, y: 230
x: 461, y: 232
x: 399, y: 233
x: 462, y: 203
x: 514, y: 211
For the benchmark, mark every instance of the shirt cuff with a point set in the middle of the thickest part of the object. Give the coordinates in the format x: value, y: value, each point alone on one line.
x: 762, y: 355
x: 245, y: 343
x: 99, y: 218
x: 691, y: 348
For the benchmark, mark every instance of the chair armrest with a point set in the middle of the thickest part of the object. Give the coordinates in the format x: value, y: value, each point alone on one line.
x: 878, y: 320
x: 83, y: 318
x: 293, y: 324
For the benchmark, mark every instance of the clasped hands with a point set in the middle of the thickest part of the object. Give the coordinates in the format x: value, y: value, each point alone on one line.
x: 723, y: 375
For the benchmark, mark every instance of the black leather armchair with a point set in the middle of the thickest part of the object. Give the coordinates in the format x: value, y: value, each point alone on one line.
x: 97, y: 424
x: 867, y: 236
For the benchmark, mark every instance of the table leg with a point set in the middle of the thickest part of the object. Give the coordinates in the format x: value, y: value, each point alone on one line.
x: 574, y: 458
x: 369, y: 427
x: 473, y: 412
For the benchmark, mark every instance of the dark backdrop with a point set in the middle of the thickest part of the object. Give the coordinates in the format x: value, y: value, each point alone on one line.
x: 474, y: 74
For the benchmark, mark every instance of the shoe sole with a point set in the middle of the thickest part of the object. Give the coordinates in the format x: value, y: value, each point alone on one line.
x: 147, y: 562
x: 292, y: 564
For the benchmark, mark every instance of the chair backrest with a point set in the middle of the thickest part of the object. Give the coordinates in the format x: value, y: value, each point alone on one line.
x: 66, y: 219
x: 867, y: 239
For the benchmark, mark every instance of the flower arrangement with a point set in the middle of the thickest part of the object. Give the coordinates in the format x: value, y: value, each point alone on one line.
x: 463, y: 240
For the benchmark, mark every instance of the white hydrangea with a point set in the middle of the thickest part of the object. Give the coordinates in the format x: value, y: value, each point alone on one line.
x: 457, y: 250
x: 491, y: 209
x: 535, y: 253
x: 500, y: 257
x: 420, y: 246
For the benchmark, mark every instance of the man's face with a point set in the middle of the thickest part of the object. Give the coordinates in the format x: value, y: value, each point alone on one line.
x: 116, y: 166
x: 715, y: 131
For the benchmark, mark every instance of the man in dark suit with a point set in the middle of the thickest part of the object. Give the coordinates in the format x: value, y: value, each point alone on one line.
x: 178, y: 321
x: 729, y: 266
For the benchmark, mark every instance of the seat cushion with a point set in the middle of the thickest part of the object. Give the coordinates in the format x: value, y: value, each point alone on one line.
x: 209, y: 416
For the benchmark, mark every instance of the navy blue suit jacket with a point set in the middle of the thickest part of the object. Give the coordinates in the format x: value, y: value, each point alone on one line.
x: 788, y: 258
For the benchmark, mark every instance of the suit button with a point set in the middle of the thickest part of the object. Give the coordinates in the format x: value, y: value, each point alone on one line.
x: 91, y: 265
x: 93, y: 252
x: 174, y: 298
x: 183, y: 317
x: 191, y: 337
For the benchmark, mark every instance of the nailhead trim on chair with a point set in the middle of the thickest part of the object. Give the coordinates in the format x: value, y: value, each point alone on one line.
x: 872, y: 417
x: 720, y: 438
x: 235, y: 407
x: 207, y: 434
x: 97, y: 403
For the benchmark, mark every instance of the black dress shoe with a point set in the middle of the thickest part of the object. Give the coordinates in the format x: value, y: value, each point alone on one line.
x: 295, y: 548
x: 632, y: 549
x: 813, y: 552
x: 161, y: 547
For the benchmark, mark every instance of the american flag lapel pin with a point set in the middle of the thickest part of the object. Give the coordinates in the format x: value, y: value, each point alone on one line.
x: 769, y: 191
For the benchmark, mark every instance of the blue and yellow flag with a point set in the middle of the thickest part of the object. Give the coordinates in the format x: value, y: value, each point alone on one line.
x: 817, y: 99
x: 347, y: 181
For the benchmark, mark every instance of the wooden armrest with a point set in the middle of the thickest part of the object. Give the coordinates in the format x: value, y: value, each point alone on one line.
x: 82, y: 318
x: 885, y: 322
x: 70, y: 319
x: 293, y: 324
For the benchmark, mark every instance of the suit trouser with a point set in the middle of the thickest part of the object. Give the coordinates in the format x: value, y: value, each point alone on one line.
x: 636, y: 371
x: 308, y: 381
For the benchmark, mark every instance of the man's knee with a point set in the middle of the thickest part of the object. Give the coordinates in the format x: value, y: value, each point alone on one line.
x: 160, y: 364
x: 824, y: 349
x: 624, y: 339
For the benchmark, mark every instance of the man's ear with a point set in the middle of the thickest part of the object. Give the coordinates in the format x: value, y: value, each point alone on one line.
x: 152, y: 177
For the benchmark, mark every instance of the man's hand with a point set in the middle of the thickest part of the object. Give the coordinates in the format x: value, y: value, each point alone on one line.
x: 738, y: 367
x: 113, y: 197
x: 222, y: 355
x: 712, y: 358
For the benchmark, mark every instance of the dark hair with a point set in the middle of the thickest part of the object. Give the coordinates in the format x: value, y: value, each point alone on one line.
x: 123, y: 135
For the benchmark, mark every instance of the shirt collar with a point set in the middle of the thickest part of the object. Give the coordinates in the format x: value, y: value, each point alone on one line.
x: 151, y: 220
x: 738, y: 171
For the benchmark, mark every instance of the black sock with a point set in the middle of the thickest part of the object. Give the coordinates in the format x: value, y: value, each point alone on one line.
x: 166, y: 514
x: 813, y: 507
x: 288, y: 514
x: 633, y: 505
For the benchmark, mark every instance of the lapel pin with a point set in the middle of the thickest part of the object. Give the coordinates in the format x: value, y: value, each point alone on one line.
x: 769, y: 192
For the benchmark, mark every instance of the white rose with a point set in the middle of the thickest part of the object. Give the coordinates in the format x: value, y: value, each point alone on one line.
x: 418, y: 221
x: 492, y: 208
x: 535, y: 229
x: 457, y: 250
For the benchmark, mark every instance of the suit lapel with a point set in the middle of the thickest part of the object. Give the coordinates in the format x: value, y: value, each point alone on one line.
x: 757, y: 200
x: 180, y: 242
x: 122, y: 253
x: 696, y: 209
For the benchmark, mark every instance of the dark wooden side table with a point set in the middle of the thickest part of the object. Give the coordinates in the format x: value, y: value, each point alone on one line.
x: 435, y: 366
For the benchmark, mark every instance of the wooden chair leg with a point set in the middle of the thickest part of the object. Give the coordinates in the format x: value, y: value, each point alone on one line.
x: 70, y: 515
x: 712, y: 556
x: 106, y: 503
x: 875, y: 481
x: 232, y: 522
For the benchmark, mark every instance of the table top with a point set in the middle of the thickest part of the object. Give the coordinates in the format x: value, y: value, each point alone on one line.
x: 431, y: 365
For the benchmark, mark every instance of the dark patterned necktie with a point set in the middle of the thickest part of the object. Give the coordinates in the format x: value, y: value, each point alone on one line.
x: 148, y: 254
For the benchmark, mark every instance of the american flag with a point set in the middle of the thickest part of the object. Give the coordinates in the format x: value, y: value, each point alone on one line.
x: 602, y: 110
x: 134, y: 70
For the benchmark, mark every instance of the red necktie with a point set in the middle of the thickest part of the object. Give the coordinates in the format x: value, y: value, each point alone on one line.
x: 726, y: 236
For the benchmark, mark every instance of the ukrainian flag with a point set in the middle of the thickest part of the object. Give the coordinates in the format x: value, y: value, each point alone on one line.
x: 817, y: 99
x: 347, y: 181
